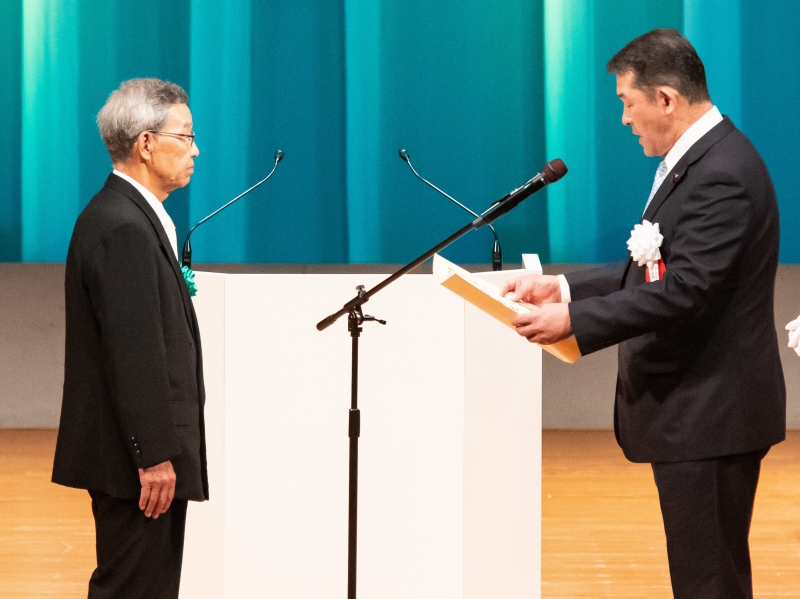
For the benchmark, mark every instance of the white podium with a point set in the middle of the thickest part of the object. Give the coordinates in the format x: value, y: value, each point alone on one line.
x: 450, y: 447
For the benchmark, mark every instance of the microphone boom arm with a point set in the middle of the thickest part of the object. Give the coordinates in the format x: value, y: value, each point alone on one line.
x: 363, y: 297
x: 557, y: 169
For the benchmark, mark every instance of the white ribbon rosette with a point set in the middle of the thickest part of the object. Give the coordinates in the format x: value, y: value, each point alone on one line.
x: 643, y: 245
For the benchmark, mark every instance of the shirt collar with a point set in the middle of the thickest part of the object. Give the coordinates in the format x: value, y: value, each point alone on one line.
x: 158, y: 208
x: 692, y: 135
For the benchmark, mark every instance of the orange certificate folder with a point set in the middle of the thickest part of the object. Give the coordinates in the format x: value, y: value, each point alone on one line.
x: 486, y: 297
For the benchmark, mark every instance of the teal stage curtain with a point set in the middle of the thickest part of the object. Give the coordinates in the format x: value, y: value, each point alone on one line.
x: 480, y: 92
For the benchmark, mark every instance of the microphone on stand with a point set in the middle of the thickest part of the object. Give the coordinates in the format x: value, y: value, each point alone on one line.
x: 552, y: 172
x: 497, y: 252
x: 186, y: 253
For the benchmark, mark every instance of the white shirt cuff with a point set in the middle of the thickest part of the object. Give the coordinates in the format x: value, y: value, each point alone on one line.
x: 565, y: 296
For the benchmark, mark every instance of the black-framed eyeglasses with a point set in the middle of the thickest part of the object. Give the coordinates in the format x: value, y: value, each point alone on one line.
x: 189, y: 136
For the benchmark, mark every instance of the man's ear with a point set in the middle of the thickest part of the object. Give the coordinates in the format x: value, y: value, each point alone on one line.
x: 144, y: 145
x: 667, y: 98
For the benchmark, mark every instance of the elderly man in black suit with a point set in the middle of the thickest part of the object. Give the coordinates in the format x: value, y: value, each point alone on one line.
x: 700, y: 389
x: 132, y: 429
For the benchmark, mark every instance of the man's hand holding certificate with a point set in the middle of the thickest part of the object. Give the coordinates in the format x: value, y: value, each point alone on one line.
x: 550, y: 324
x: 546, y: 324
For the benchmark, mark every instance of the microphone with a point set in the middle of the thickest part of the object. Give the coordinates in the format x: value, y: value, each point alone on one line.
x: 497, y: 252
x: 186, y: 253
x: 552, y: 172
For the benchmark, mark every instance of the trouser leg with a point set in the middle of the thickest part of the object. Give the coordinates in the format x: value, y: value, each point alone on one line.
x: 707, y: 506
x: 137, y: 557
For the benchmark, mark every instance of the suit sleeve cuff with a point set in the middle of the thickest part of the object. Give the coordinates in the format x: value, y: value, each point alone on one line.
x: 565, y: 295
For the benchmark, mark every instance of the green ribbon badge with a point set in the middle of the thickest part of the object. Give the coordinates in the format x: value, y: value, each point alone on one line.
x: 188, y: 276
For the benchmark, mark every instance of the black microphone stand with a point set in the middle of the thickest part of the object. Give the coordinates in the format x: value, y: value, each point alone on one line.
x: 186, y: 253
x: 356, y: 318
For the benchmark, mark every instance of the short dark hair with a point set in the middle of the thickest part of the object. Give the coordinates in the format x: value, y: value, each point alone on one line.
x: 663, y: 57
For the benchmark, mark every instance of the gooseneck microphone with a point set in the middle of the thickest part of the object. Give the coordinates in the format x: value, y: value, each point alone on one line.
x: 186, y: 253
x: 497, y: 252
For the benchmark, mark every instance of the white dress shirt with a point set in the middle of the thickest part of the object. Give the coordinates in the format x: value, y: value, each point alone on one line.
x: 158, y: 208
x: 691, y: 136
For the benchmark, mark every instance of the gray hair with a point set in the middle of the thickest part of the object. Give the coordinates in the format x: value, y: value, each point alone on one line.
x: 138, y: 105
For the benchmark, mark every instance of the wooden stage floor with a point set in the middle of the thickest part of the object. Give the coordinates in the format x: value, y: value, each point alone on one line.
x: 602, y: 534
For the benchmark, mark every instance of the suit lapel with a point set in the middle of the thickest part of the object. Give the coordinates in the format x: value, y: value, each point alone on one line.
x: 122, y: 186
x: 676, y: 175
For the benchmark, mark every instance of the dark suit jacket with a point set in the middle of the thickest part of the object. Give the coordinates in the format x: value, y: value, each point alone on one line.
x: 699, y: 371
x: 133, y: 378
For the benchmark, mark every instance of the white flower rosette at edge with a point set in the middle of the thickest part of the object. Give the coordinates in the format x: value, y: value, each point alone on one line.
x: 644, y: 246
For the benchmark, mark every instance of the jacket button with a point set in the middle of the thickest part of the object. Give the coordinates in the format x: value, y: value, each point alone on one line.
x: 138, y: 453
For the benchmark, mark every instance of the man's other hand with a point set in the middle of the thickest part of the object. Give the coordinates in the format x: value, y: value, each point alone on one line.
x: 794, y: 335
x: 533, y: 289
x: 550, y: 324
x: 158, y: 489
